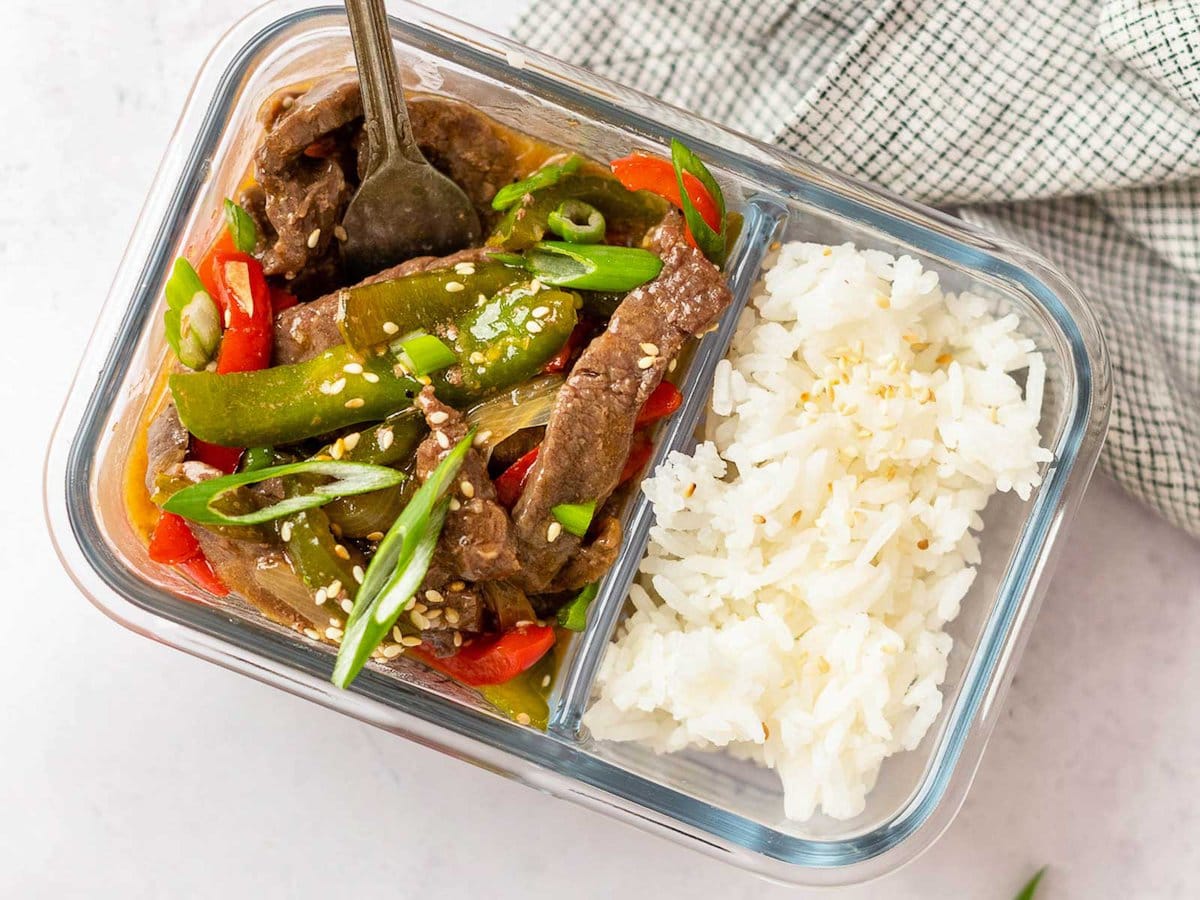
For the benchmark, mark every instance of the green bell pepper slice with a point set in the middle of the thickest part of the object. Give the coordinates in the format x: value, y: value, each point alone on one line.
x: 371, y: 315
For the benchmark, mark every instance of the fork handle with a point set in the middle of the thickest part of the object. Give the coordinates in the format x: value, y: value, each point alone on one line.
x: 389, y: 131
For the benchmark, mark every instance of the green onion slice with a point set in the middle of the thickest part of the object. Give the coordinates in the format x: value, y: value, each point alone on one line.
x: 1031, y: 886
x: 427, y: 354
x: 573, y: 616
x: 575, y: 517
x: 711, y: 243
x: 192, y: 321
x: 241, y: 227
x: 592, y: 267
x: 543, y: 177
x: 398, y: 567
x: 577, y: 222
x: 195, y: 502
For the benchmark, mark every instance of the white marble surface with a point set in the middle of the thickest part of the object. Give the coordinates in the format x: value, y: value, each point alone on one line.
x: 130, y: 770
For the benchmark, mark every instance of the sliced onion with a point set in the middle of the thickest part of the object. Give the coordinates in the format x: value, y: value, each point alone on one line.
x: 527, y: 406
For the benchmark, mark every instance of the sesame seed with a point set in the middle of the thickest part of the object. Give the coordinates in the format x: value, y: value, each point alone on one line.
x: 442, y: 440
x: 649, y: 349
x: 347, y: 605
x: 410, y: 640
x: 333, y: 633
x: 533, y: 327
x: 338, y: 450
x: 689, y: 490
x: 540, y: 312
x: 545, y: 681
x: 358, y: 574
x: 285, y: 531
x: 465, y: 268
x: 341, y: 551
x: 355, y: 403
x: 645, y: 362
x: 535, y: 285
x: 313, y: 238
x: 340, y: 233
x: 335, y: 622
x: 391, y: 651
x: 419, y: 620
x: 458, y: 585
x: 228, y: 318
x: 438, y: 417
x: 455, y: 506
x: 397, y: 634
x: 332, y: 387
x: 322, y: 596
x: 351, y: 440
x: 523, y: 718
x: 312, y: 633
x: 468, y: 489
x: 370, y: 378
x: 434, y: 614
x: 475, y: 358
x: 390, y: 327
x: 452, y: 616
x: 672, y: 365
x: 458, y: 639
x: 384, y: 437
x: 375, y: 536
x: 335, y: 587
x: 482, y: 438
x: 553, y: 531
x: 453, y: 287
x: 353, y: 368
x: 434, y: 596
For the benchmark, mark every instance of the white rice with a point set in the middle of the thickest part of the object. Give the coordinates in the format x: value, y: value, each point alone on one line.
x: 789, y: 608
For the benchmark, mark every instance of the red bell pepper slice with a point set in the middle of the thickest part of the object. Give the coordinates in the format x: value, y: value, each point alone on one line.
x: 560, y: 360
x: 663, y: 401
x: 493, y: 660
x: 172, y: 541
x: 281, y: 300
x: 639, y: 454
x: 245, y: 302
x: 225, y: 459
x: 512, y: 480
x: 202, y: 573
x: 173, y: 544
x: 642, y: 172
x: 207, y: 268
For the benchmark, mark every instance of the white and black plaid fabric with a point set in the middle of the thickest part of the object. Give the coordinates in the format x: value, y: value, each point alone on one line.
x: 1072, y: 126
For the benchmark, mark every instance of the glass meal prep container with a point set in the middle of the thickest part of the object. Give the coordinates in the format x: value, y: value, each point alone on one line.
x: 730, y: 809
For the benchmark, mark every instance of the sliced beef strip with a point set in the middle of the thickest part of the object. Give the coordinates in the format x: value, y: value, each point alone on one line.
x: 589, y: 434
x: 513, y: 447
x: 462, y: 143
x: 306, y: 196
x: 593, y: 559
x: 309, y: 329
x: 304, y: 203
x: 329, y: 104
x: 476, y: 542
x: 166, y: 445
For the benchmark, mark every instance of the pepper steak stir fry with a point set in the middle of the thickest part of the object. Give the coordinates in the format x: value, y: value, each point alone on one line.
x: 431, y: 461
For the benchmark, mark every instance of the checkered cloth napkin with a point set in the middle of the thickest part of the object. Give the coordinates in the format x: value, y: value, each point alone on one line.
x: 1071, y: 126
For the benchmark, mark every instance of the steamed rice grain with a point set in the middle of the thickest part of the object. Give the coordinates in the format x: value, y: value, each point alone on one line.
x: 806, y: 557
